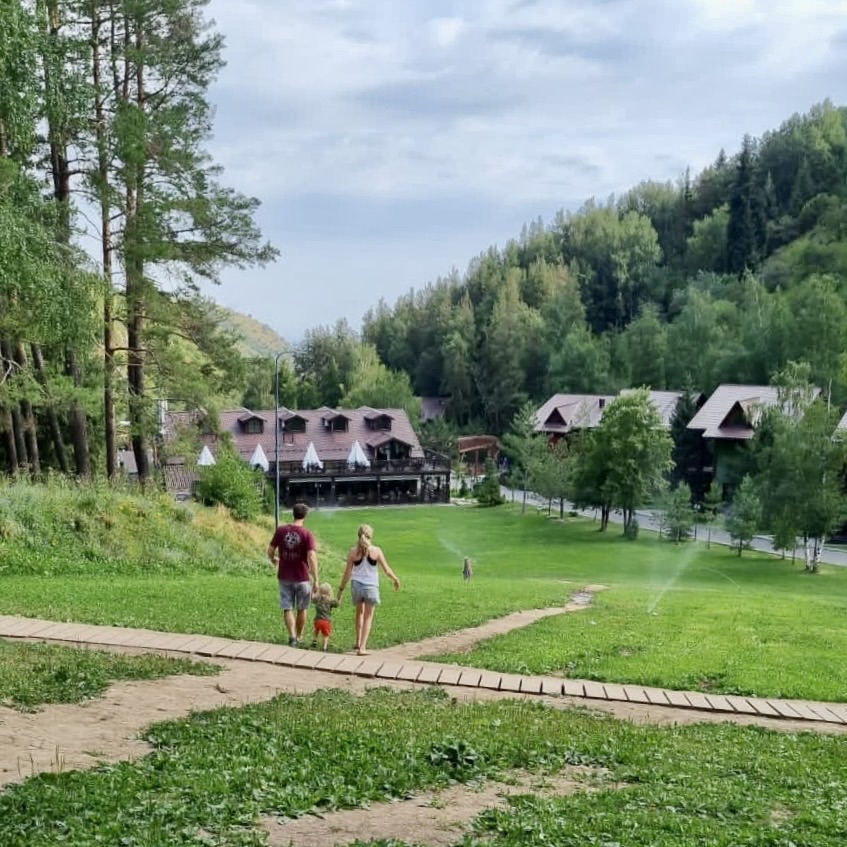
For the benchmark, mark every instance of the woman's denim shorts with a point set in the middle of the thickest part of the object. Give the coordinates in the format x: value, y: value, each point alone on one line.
x: 364, y: 593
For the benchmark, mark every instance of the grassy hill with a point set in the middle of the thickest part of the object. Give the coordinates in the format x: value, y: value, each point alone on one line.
x: 257, y: 339
x: 69, y: 528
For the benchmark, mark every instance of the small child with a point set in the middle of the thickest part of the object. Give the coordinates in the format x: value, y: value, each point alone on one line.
x: 324, y: 603
x: 467, y: 569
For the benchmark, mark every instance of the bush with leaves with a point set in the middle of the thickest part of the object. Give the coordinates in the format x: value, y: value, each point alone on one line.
x: 232, y: 483
x: 679, y: 514
x: 745, y: 515
x: 487, y: 492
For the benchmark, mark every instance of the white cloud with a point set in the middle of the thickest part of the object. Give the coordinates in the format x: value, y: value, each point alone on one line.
x: 519, y: 106
x: 445, y: 32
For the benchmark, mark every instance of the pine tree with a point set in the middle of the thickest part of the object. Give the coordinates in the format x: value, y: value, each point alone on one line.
x: 687, y: 444
x: 741, y: 235
x: 174, y: 214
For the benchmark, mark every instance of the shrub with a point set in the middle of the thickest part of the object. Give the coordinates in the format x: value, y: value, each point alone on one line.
x: 487, y: 492
x: 631, y: 531
x: 231, y: 483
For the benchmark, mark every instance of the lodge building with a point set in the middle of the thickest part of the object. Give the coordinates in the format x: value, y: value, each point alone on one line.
x: 327, y: 457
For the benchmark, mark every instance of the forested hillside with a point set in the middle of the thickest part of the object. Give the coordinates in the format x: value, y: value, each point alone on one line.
x: 725, y: 276
x: 104, y: 124
x: 255, y: 339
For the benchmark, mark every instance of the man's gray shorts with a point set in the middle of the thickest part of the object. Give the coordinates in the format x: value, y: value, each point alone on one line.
x: 294, y: 595
x: 360, y: 593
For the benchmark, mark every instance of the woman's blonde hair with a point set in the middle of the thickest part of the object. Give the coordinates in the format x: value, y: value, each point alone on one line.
x: 365, y: 535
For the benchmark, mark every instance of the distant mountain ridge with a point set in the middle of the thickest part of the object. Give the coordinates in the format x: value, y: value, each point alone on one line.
x: 257, y: 340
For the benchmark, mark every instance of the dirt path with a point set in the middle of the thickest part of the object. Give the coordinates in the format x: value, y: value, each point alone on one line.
x: 439, y: 816
x: 465, y: 640
x: 106, y: 729
x: 68, y: 737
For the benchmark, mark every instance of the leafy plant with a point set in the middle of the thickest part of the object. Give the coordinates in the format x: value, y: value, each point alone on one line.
x: 212, y: 776
x: 487, y: 492
x: 35, y: 674
x: 232, y: 483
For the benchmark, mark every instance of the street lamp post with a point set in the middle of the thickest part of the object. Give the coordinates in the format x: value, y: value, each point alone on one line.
x: 276, y: 434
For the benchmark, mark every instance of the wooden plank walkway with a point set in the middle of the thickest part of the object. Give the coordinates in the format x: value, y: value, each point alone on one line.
x: 429, y: 673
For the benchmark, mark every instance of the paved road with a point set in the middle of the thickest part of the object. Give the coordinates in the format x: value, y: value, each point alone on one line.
x: 832, y: 555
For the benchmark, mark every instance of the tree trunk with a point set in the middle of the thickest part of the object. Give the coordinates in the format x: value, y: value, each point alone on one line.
x: 52, y: 418
x: 813, y: 554
x: 807, y: 553
x: 15, y: 415
x: 28, y: 417
x: 523, y: 506
x: 9, y: 437
x: 57, y: 131
x: 709, y: 539
x: 78, y: 420
x: 134, y: 267
x: 106, y: 245
x: 561, y: 508
x: 135, y: 378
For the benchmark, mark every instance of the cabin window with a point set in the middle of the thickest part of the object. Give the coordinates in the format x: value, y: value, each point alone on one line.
x: 295, y: 425
x: 339, y: 425
x: 383, y: 423
x: 253, y: 426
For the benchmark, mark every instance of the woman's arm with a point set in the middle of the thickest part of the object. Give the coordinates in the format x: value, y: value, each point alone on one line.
x: 380, y: 557
x: 345, y: 578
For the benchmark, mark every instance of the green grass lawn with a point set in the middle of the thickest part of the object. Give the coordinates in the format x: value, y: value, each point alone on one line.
x: 755, y: 625
x: 212, y: 775
x: 36, y: 674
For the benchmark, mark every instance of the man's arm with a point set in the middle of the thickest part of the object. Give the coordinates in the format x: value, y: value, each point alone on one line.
x: 272, y: 553
x: 313, y: 566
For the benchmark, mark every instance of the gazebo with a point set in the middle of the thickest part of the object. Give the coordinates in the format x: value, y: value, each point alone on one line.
x: 475, y: 449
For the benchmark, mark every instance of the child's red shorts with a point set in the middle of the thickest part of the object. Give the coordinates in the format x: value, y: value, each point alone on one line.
x: 323, y: 627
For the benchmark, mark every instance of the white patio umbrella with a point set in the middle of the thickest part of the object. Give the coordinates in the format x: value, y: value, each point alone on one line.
x: 205, y: 459
x: 357, y: 458
x: 259, y: 459
x: 311, y: 459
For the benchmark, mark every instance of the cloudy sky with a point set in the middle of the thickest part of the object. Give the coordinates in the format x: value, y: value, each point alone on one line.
x: 393, y: 140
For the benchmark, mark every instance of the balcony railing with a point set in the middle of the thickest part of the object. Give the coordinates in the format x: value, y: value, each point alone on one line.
x: 431, y: 464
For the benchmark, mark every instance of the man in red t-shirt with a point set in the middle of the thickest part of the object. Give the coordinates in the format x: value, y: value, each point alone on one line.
x: 298, y: 560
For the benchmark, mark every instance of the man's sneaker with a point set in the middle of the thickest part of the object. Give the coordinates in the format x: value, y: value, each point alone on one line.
x: 293, y: 642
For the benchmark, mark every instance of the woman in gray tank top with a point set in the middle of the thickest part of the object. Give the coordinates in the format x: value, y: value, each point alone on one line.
x: 362, y: 572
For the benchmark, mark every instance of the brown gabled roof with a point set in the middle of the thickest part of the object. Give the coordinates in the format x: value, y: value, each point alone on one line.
x: 566, y: 412
x: 375, y: 414
x: 330, y: 445
x: 383, y: 438
x: 576, y: 411
x: 732, y: 411
x: 468, y: 443
x: 334, y: 414
x: 665, y: 402
x: 251, y: 416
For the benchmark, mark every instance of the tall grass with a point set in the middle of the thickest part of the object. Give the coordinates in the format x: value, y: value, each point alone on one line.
x: 68, y: 527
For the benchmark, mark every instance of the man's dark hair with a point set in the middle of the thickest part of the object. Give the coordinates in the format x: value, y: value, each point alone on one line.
x: 300, y: 511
